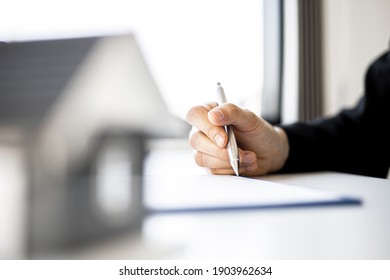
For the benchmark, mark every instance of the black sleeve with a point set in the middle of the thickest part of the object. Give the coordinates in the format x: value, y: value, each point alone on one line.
x: 355, y: 141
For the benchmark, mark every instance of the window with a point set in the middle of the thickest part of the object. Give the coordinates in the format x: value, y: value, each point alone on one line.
x: 189, y: 45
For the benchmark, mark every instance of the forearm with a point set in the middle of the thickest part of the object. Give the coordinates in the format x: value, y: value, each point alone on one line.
x: 342, y: 143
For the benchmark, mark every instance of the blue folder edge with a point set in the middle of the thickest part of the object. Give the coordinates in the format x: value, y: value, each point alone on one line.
x: 345, y: 201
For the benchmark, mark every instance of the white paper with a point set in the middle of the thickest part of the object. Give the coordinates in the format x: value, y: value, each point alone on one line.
x: 208, y: 192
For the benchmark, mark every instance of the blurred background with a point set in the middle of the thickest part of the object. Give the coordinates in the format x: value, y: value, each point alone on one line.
x: 285, y: 60
x: 189, y: 46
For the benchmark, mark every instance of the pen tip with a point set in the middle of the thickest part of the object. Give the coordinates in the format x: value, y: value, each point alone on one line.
x: 218, y: 84
x: 235, y: 167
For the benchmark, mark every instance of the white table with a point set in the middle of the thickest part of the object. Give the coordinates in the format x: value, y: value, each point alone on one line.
x: 340, y: 232
x: 326, y: 232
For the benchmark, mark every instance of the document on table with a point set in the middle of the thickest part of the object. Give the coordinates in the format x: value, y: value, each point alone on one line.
x: 208, y: 192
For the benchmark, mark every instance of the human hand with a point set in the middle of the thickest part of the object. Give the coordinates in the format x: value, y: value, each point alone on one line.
x: 263, y: 148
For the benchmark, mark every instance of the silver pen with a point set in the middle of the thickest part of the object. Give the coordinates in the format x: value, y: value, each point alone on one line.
x: 232, y: 143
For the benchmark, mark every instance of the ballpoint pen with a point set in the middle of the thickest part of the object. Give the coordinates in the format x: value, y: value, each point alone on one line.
x: 232, y: 143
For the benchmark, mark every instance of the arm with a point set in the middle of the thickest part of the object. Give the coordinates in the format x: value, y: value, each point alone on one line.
x: 355, y: 141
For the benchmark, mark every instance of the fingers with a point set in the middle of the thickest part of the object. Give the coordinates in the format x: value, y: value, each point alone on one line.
x: 208, y: 138
x: 202, y: 143
x: 197, y: 117
x: 247, y: 165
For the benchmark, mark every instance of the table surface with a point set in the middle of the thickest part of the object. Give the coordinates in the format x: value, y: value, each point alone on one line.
x: 325, y: 232
x: 331, y: 232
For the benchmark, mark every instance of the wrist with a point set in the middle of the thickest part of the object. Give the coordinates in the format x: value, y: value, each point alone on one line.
x: 282, y: 151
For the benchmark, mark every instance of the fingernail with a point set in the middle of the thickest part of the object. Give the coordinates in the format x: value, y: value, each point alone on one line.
x: 249, y: 158
x: 219, y: 140
x: 217, y: 115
